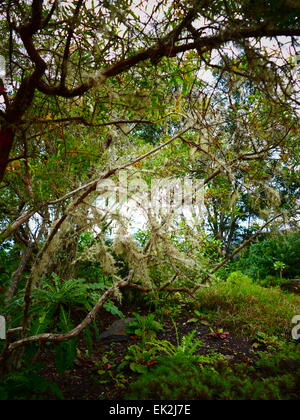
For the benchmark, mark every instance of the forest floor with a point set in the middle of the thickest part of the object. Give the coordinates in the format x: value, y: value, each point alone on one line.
x: 97, y: 377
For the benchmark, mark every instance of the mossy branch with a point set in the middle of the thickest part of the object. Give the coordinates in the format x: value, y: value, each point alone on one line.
x: 58, y: 338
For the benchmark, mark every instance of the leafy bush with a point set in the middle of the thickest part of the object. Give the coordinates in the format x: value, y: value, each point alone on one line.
x: 27, y: 384
x: 260, y: 259
x: 245, y: 307
x: 55, y: 308
x: 144, y: 326
x: 273, y: 377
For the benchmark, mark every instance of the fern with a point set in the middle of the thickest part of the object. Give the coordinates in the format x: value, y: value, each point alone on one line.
x: 187, y: 347
x: 65, y: 355
x: 27, y: 384
x: 71, y: 292
x: 54, y: 305
x: 71, y: 295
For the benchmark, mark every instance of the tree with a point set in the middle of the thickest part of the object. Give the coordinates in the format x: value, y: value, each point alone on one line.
x: 83, y: 81
x: 51, y: 47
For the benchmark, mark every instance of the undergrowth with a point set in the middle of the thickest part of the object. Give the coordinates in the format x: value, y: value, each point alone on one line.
x: 245, y: 307
x: 27, y: 384
x: 273, y: 377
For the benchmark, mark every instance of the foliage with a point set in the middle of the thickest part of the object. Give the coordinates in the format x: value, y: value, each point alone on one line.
x: 110, y: 307
x: 175, y: 378
x: 280, y: 266
x: 9, y: 256
x: 108, y: 370
x: 242, y: 306
x: 27, y: 384
x: 274, y: 281
x: 56, y: 305
x: 94, y: 91
x: 55, y: 308
x: 262, y: 258
x: 263, y: 341
x: 65, y: 355
x: 140, y: 356
x: 144, y: 327
x: 273, y: 377
x: 56, y: 299
x: 187, y: 347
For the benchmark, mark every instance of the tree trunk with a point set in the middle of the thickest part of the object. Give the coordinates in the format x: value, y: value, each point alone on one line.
x: 6, y: 144
x: 18, y: 273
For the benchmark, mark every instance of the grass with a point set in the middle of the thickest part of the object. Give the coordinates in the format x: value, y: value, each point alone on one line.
x: 244, y: 307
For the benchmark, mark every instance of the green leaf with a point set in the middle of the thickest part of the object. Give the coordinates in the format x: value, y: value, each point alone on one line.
x: 193, y: 320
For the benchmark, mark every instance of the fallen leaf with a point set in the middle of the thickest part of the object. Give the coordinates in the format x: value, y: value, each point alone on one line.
x: 152, y: 362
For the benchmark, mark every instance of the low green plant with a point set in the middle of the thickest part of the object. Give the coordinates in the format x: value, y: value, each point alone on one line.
x: 144, y: 327
x: 27, y: 384
x: 108, y: 374
x: 174, y: 378
x: 187, y: 346
x: 139, y: 358
x: 263, y: 341
x: 219, y: 333
x: 274, y: 376
x: 286, y: 359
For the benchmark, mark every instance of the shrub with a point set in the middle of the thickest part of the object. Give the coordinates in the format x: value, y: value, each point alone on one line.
x: 260, y: 259
x: 56, y: 304
x: 273, y: 377
x: 27, y: 384
x: 175, y: 378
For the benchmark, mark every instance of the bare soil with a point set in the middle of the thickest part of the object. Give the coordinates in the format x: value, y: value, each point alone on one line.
x: 83, y: 382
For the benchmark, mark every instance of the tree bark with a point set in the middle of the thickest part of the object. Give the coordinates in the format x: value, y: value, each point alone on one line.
x: 18, y: 273
x: 6, y: 144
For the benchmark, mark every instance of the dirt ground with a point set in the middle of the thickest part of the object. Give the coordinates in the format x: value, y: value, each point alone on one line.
x: 83, y: 381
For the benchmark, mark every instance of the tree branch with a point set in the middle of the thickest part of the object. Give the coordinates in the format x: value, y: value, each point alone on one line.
x: 202, y: 44
x: 57, y: 338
